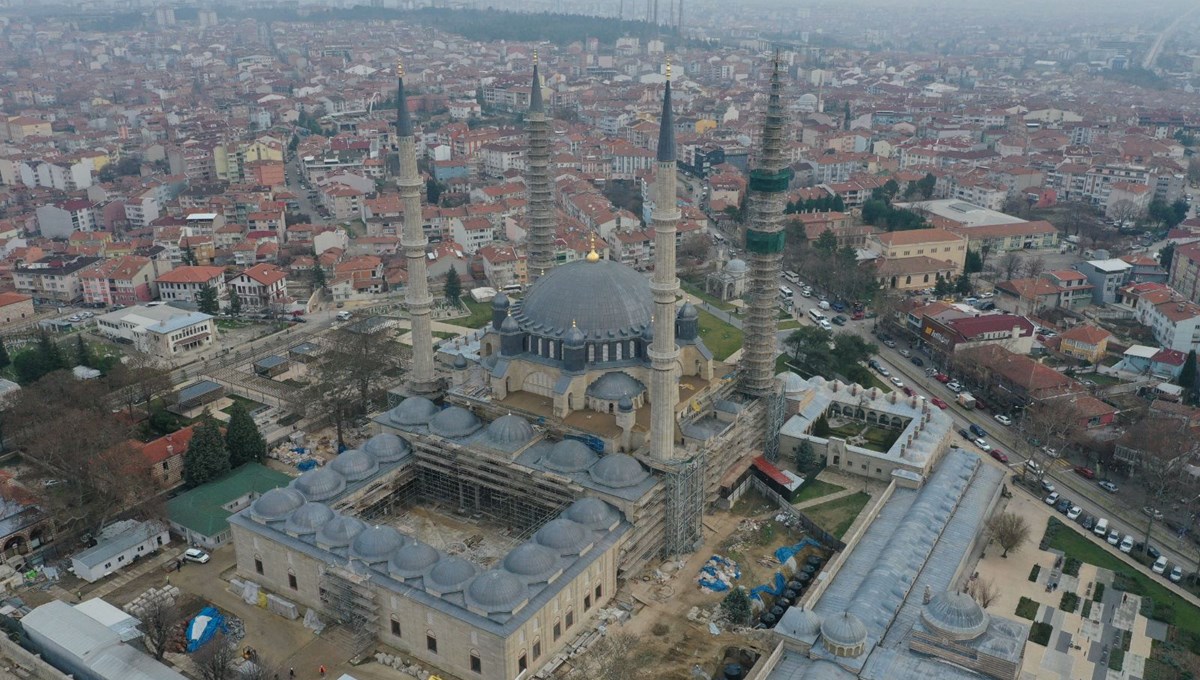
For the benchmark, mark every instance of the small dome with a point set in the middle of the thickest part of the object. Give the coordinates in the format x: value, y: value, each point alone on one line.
x: 412, y: 560
x: 450, y: 575
x: 355, y: 465
x: 376, y: 544
x: 687, y: 311
x: 320, y: 484
x: 804, y: 623
x: 412, y: 412
x: 339, y: 531
x: 307, y: 519
x: 625, y: 404
x: 460, y: 362
x: 497, y: 591
x: 617, y: 471
x: 388, y: 447
x: 792, y: 383
x: 275, y: 504
x: 593, y: 513
x: 510, y: 430
x: 563, y: 535
x: 736, y: 266
x: 844, y: 634
x: 574, y: 337
x: 613, y: 386
x: 570, y: 455
x: 955, y: 615
x: 510, y: 325
x: 532, y: 561
x: 500, y: 301
x: 455, y: 422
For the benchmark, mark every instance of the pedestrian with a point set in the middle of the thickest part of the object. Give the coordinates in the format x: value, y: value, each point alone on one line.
x: 321, y: 670
x: 291, y: 672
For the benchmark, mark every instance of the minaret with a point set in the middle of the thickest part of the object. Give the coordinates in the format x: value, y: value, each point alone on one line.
x: 537, y: 176
x: 664, y: 354
x: 417, y: 300
x: 764, y: 246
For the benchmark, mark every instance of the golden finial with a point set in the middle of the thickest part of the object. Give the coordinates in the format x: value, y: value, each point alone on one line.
x: 573, y: 324
x: 592, y: 256
x: 535, y: 56
x: 399, y: 69
x: 668, y: 67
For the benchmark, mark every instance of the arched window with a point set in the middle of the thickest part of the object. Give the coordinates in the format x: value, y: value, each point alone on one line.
x: 907, y: 280
x: 604, y: 352
x: 551, y: 352
x: 540, y: 346
x: 632, y: 349
x: 619, y: 349
x: 591, y: 353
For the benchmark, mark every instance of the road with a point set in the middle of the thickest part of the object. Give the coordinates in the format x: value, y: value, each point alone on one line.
x: 1161, y: 40
x: 1122, y: 514
x: 295, y: 184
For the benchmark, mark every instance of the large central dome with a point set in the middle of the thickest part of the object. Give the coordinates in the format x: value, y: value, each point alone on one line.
x: 598, y: 297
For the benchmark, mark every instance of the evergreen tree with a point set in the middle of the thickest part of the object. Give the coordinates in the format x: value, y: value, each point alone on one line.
x: 189, y: 257
x: 4, y: 358
x: 1187, y: 378
x: 942, y: 288
x: 207, y: 300
x: 974, y: 262
x: 453, y: 286
x: 838, y: 203
x: 235, y: 304
x: 821, y: 427
x: 317, y: 274
x: 963, y: 285
x: 806, y: 458
x: 49, y: 354
x: 206, y: 458
x: 242, y: 438
x: 83, y: 353
x: 737, y: 607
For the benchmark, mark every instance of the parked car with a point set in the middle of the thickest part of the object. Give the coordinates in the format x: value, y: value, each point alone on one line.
x: 1114, y: 537
x: 1001, y: 418
x: 1088, y: 522
x: 897, y: 381
x: 939, y: 403
x: 1160, y: 565
x: 905, y: 353
x: 998, y: 455
x: 1047, y: 485
x: 883, y: 371
x: 982, y: 443
x: 978, y: 431
x: 1126, y: 546
x: 1033, y: 467
x: 840, y: 320
x: 1108, y: 486
x: 1064, y: 505
x: 1052, y: 499
x: 942, y: 378
x: 980, y: 405
x: 917, y: 361
x: 838, y: 306
x: 1153, y: 552
x: 965, y: 435
x: 889, y: 342
x: 1151, y: 512
x: 908, y: 392
x: 196, y: 555
x: 1085, y: 472
x: 954, y: 387
x: 1176, y: 574
x: 931, y: 372
x: 1074, y: 512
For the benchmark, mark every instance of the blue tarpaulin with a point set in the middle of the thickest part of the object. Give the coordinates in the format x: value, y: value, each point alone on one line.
x: 776, y: 590
x: 202, y: 628
x: 306, y: 465
x: 785, y: 553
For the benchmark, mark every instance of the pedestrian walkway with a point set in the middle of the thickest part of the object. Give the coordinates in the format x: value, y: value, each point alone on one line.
x: 137, y: 571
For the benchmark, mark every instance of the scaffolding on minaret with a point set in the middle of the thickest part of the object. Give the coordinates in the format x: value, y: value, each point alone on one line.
x: 776, y: 415
x: 683, y: 529
x: 542, y: 221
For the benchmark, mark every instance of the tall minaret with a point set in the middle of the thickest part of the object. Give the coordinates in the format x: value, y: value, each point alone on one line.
x: 664, y: 354
x: 537, y: 176
x: 417, y: 300
x: 764, y: 245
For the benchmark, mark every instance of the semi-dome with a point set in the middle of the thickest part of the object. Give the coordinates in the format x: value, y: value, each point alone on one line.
x: 532, y: 561
x: 355, y: 465
x: 376, y: 544
x: 497, y: 591
x: 307, y: 519
x: 275, y: 504
x: 615, y: 385
x: 412, y: 412
x: 617, y: 471
x: 566, y: 536
x: 412, y: 560
x: 599, y: 297
x: 593, y: 513
x: 450, y: 575
x: 956, y: 615
x: 339, y: 531
x: 687, y: 311
x: 570, y: 455
x: 320, y: 484
x: 844, y: 634
x: 388, y: 447
x: 454, y: 423
x: 736, y: 266
x: 509, y: 430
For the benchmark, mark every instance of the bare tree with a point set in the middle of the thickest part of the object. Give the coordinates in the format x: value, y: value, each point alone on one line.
x: 259, y: 669
x: 1008, y: 265
x: 984, y: 591
x: 1124, y: 211
x: 1164, y: 446
x: 1010, y: 530
x: 361, y: 356
x: 617, y: 656
x: 161, y: 619
x: 137, y: 380
x: 1053, y: 422
x: 218, y: 659
x: 1034, y: 266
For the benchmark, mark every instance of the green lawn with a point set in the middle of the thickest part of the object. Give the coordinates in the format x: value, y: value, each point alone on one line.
x: 1187, y: 616
x: 836, y: 516
x: 815, y: 488
x: 715, y: 302
x: 481, y: 313
x: 250, y: 404
x: 878, y: 438
x: 721, y: 338
x: 444, y: 335
x: 790, y: 324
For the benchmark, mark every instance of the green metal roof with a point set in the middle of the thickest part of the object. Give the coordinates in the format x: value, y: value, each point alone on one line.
x: 201, y: 509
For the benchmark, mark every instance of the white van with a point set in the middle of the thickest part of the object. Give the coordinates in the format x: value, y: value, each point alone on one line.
x: 343, y: 316
x: 791, y: 277
x: 1101, y: 528
x: 823, y: 304
x: 816, y: 316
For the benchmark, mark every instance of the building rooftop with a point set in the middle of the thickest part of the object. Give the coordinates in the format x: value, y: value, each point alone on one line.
x: 200, y: 509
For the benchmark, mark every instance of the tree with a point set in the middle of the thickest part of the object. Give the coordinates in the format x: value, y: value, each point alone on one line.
x: 926, y: 185
x: 453, y: 287
x: 206, y: 300
x: 962, y: 285
x: 806, y: 458
x: 137, y: 379
x: 942, y: 287
x: 826, y: 243
x: 317, y: 276
x: 1163, y: 447
x: 83, y: 354
x: 1008, y: 265
x: 1166, y: 255
x: 235, y: 304
x: 160, y: 619
x: 973, y: 263
x: 736, y: 606
x: 353, y: 371
x: 4, y: 359
x: 821, y: 427
x: 433, y: 191
x: 217, y: 660
x: 1187, y: 378
x: 43, y: 358
x: 188, y: 257
x: 1034, y: 266
x: 984, y: 591
x: 1010, y: 530
x: 1124, y: 211
x: 809, y: 348
x: 206, y: 458
x: 242, y: 438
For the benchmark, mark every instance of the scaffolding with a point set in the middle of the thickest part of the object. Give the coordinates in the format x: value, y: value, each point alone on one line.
x: 684, y: 516
x: 776, y: 414
x: 350, y: 601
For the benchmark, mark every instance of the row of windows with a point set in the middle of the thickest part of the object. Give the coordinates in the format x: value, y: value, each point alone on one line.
x: 292, y: 583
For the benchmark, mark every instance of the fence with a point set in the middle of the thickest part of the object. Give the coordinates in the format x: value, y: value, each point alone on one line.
x: 827, y: 575
x: 810, y: 526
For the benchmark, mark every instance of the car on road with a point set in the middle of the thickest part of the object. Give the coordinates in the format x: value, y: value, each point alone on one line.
x: 896, y: 381
x: 942, y: 378
x: 343, y: 316
x: 1176, y: 574
x: 1153, y: 552
x: 1126, y: 546
x: 905, y: 353
x: 1085, y: 472
x: 908, y: 391
x: 1108, y: 486
x: 840, y: 320
x: 1114, y: 537
x: 916, y: 361
x: 979, y: 431
x: 1003, y: 419
x: 998, y: 455
x: 939, y: 403
x: 1064, y: 505
x: 824, y: 323
x: 74, y: 318
x: 1074, y: 512
x: 883, y: 371
x: 954, y: 387
x: 1088, y: 522
x: 196, y: 555
x: 1052, y: 499
x: 982, y: 443
x: 1151, y: 512
x: 1047, y: 485
x: 965, y: 435
x: 1160, y: 565
x: 889, y: 342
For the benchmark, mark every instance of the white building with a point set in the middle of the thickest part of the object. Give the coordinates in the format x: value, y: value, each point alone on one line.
x: 75, y: 642
x: 159, y: 330
x: 118, y: 546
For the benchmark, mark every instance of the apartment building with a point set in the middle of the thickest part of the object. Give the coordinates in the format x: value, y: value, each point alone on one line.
x: 126, y: 280
x: 260, y: 286
x: 53, y: 278
x: 183, y: 284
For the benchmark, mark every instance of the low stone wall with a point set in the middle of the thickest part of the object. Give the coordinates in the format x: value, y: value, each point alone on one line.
x: 28, y: 664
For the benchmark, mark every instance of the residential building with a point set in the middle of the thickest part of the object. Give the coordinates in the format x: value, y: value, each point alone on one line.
x: 503, y: 266
x: 15, y: 308
x: 260, y: 286
x: 1105, y: 277
x: 1027, y: 296
x: 183, y: 284
x: 52, y: 278
x: 165, y: 456
x: 473, y: 233
x: 119, y: 545
x: 1074, y: 290
x: 1014, y: 333
x: 1085, y: 342
x: 1000, y: 238
x: 1174, y: 322
x: 938, y: 244
x: 60, y: 220
x: 126, y: 280
x: 1185, y: 271
x: 1127, y: 201
x: 160, y: 330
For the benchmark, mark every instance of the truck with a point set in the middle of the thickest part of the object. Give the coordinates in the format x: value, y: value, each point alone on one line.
x: 965, y: 400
